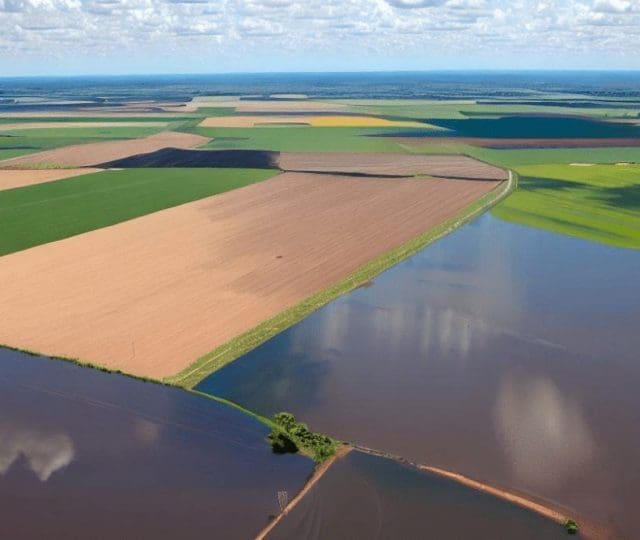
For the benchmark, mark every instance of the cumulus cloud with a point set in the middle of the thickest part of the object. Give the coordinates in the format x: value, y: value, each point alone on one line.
x: 116, y: 35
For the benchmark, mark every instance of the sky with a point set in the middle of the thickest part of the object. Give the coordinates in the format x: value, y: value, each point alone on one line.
x: 67, y: 37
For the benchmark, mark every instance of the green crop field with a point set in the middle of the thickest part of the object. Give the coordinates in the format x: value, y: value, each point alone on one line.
x: 303, y: 139
x: 20, y: 142
x: 34, y: 215
x: 597, y: 202
x: 88, y: 134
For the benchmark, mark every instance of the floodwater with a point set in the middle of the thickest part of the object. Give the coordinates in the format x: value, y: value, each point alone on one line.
x: 84, y: 454
x: 364, y: 496
x: 504, y: 353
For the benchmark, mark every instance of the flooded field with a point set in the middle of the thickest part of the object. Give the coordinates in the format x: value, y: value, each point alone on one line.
x: 84, y: 454
x: 504, y: 353
x: 364, y: 496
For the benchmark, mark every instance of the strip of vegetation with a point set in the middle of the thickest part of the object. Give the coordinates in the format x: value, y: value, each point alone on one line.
x: 571, y: 526
x: 242, y: 344
x: 288, y: 436
x: 43, y: 213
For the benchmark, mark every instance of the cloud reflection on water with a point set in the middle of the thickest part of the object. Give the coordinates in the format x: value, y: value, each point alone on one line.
x: 544, y: 434
x: 45, y: 452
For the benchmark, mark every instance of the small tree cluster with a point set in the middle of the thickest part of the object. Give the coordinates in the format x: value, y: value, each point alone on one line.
x: 288, y: 435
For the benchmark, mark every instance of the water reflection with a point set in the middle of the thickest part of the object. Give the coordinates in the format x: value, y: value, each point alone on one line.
x: 544, y: 434
x: 45, y: 452
x: 500, y: 352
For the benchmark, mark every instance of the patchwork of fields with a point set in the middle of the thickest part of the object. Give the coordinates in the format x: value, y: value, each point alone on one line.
x: 146, y: 237
x: 151, y: 295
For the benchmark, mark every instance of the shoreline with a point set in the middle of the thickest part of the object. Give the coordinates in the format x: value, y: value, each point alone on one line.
x: 315, y: 478
x: 249, y: 340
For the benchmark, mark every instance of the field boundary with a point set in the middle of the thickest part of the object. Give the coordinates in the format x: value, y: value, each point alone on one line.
x: 242, y: 344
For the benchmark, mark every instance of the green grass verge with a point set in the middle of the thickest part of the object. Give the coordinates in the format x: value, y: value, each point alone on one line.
x: 42, y: 213
x: 242, y: 344
x: 86, y: 134
x: 600, y: 203
x: 302, y: 139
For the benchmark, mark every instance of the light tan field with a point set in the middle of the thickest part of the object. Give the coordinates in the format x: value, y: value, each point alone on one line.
x: 92, y: 154
x: 250, y: 106
x: 151, y: 295
x: 59, y: 125
x: 18, y: 178
x: 391, y: 164
x: 308, y: 120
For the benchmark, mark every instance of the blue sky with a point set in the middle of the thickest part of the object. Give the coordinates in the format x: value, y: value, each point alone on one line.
x: 61, y: 37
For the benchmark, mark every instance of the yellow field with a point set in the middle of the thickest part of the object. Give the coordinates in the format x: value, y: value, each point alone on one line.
x: 309, y: 120
x: 360, y: 121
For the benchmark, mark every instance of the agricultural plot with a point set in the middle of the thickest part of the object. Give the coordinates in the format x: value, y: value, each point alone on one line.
x: 595, y: 202
x: 303, y: 139
x: 93, y: 153
x: 309, y: 120
x: 15, y: 178
x: 150, y: 296
x: 391, y: 165
x: 48, y: 212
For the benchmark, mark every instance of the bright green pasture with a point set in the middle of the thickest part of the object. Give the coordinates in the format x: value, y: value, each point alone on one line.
x: 303, y: 139
x: 42, y: 213
x: 433, y: 109
x: 86, y: 133
x: 598, y: 202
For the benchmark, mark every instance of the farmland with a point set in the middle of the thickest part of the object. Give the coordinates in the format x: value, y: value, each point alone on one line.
x: 35, y: 215
x: 596, y: 202
x: 350, y: 260
x: 276, y: 243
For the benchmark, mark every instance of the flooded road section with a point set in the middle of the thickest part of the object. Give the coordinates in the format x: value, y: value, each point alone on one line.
x: 364, y: 496
x: 84, y: 454
x: 504, y: 353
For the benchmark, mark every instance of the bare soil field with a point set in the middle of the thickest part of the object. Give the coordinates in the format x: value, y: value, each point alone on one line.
x: 391, y: 164
x: 91, y: 154
x: 151, y: 295
x: 251, y: 106
x: 417, y: 142
x: 18, y: 178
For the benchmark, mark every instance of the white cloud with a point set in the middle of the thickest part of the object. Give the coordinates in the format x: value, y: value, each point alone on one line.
x: 240, y: 35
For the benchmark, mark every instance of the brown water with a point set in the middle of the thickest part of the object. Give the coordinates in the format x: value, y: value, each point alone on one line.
x: 363, y: 496
x: 87, y: 455
x: 505, y: 353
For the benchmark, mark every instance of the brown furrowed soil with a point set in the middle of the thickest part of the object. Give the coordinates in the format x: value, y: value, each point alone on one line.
x: 391, y: 164
x: 91, y: 154
x: 10, y: 179
x: 417, y: 142
x: 152, y: 295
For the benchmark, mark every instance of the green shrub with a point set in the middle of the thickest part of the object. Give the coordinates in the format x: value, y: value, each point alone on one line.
x: 289, y: 435
x: 571, y: 526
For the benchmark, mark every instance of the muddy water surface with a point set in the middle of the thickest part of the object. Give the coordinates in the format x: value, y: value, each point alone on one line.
x: 84, y: 454
x: 505, y: 353
x: 363, y: 496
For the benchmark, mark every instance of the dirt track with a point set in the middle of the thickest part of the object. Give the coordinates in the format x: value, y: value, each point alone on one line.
x: 91, y: 154
x: 391, y: 164
x: 18, y: 178
x: 151, y: 295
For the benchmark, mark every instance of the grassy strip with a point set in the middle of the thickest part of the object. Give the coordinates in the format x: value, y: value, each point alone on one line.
x: 223, y: 355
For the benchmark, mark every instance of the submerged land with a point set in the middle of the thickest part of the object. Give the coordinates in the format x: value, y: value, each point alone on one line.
x: 208, y: 242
